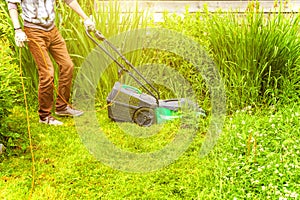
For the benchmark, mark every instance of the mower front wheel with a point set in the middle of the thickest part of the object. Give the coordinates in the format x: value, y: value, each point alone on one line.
x: 144, y: 116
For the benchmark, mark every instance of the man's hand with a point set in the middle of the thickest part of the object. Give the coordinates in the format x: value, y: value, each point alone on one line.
x: 89, y: 24
x: 20, y: 38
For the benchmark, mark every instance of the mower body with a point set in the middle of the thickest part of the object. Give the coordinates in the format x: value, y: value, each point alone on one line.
x: 129, y: 104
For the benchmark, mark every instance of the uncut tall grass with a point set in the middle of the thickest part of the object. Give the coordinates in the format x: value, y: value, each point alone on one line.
x: 257, y: 54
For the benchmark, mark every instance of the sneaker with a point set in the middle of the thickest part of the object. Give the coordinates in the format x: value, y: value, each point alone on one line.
x: 2, y: 148
x: 68, y: 111
x: 51, y: 121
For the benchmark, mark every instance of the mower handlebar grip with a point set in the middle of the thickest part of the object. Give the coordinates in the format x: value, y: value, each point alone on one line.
x: 99, y: 35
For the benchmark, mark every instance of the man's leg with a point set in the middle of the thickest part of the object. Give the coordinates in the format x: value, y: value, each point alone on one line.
x: 38, y: 44
x: 60, y: 53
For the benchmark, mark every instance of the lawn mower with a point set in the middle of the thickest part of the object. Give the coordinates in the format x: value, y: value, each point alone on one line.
x: 129, y: 104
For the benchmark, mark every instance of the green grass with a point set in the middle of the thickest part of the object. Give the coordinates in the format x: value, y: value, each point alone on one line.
x: 257, y: 157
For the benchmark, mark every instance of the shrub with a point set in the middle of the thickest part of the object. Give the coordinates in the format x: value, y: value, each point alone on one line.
x: 10, y: 92
x: 10, y: 87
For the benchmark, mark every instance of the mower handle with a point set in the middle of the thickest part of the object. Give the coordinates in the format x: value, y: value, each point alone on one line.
x: 101, y: 37
x: 97, y: 33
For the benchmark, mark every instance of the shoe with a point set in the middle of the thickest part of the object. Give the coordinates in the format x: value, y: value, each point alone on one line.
x: 68, y: 111
x: 2, y: 148
x: 51, y: 121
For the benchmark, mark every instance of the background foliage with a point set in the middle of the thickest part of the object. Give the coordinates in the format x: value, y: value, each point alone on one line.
x: 257, y: 54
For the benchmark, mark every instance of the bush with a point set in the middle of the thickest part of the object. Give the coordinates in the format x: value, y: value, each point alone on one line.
x: 10, y: 91
x: 10, y: 86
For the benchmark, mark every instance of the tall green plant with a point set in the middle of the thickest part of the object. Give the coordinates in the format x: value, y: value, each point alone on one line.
x: 256, y: 54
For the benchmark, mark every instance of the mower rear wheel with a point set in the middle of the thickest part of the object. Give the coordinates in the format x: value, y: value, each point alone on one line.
x: 144, y: 116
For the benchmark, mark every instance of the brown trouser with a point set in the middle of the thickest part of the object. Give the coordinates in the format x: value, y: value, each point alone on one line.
x: 53, y: 43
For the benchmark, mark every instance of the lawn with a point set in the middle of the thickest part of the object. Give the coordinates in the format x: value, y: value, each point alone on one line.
x: 256, y: 157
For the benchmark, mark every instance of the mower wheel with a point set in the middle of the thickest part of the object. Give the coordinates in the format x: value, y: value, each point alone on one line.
x: 144, y: 116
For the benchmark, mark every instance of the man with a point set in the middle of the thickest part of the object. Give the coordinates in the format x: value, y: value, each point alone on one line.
x: 43, y: 37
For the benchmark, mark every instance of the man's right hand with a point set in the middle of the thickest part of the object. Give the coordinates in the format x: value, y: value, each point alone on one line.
x: 89, y: 24
x: 20, y: 38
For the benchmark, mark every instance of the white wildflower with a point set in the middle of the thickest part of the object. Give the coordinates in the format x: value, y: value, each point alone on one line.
x: 282, y: 198
x: 294, y: 195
